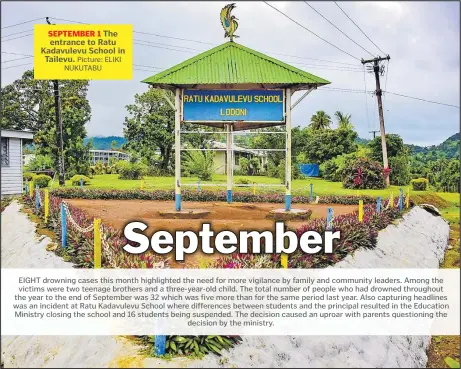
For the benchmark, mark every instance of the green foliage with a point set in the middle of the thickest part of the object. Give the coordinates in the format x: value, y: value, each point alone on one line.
x: 149, y: 128
x: 76, y: 180
x: 344, y: 120
x: 28, y: 103
x: 200, y: 163
x: 332, y: 169
x: 320, y: 120
x: 419, y: 184
x: 244, y: 181
x: 244, y: 164
x: 400, y: 170
x: 41, y: 162
x: 194, y: 345
x: 132, y: 171
x: 28, y: 176
x: 394, y: 144
x: 325, y: 144
x: 363, y: 173
x: 42, y: 180
x: 452, y: 363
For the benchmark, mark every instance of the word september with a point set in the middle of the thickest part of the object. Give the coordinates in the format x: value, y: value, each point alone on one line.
x: 227, y: 242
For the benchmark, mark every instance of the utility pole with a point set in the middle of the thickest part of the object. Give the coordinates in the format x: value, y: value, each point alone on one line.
x: 59, y: 137
x: 374, y: 133
x: 378, y: 92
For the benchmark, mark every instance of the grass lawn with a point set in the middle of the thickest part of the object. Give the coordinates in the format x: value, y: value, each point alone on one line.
x: 444, y: 347
x: 321, y: 187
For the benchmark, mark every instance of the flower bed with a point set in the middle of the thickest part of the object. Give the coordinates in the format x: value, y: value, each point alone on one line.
x: 80, y: 245
x: 354, y: 235
x: 204, y: 195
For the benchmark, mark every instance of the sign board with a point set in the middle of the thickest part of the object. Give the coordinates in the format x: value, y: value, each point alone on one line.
x: 233, y: 105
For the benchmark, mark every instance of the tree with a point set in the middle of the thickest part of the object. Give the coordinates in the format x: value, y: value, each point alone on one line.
x: 320, y: 120
x: 29, y: 104
x: 200, y: 163
x: 149, y: 129
x: 344, y: 120
x: 395, y: 147
x: 325, y: 144
x: 113, y: 145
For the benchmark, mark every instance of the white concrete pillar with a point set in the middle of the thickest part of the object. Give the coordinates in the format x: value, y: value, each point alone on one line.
x: 229, y: 162
x: 288, y: 150
x: 177, y: 149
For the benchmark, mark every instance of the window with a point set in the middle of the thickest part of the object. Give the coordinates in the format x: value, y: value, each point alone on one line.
x: 5, y: 152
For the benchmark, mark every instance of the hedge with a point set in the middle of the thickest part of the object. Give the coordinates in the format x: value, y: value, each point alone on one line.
x: 204, y: 196
x: 419, y: 184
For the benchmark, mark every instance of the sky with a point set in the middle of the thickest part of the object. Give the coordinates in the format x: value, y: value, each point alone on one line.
x: 422, y: 39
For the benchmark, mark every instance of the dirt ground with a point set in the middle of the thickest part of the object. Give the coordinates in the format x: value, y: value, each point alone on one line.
x: 230, y: 217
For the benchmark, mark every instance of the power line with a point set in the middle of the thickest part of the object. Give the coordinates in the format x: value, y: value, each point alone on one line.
x: 15, y: 38
x: 17, y: 33
x: 14, y: 66
x: 18, y: 24
x: 359, y: 28
x: 207, y: 43
x: 417, y: 98
x: 146, y: 66
x: 4, y: 52
x: 315, y: 10
x: 307, y: 29
x: 24, y: 57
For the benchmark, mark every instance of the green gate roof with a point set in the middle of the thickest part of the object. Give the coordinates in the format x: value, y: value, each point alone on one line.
x: 234, y: 64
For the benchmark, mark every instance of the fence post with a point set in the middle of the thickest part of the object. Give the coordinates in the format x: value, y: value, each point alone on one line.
x: 160, y: 342
x: 284, y: 260
x: 360, y: 210
x: 198, y: 185
x: 401, y: 199
x: 81, y: 182
x: 47, y: 205
x: 63, y: 226
x: 97, y: 244
x: 27, y: 187
x: 407, y: 200
x: 311, y: 197
x: 254, y: 188
x: 329, y: 217
x: 31, y: 189
x: 391, y: 200
x: 37, y: 197
x: 378, y: 205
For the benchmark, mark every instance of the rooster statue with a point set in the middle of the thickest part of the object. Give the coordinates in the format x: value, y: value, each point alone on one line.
x: 228, y: 21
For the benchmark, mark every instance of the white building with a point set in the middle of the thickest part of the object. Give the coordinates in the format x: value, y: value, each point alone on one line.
x: 239, y: 152
x: 12, y: 161
x: 104, y: 155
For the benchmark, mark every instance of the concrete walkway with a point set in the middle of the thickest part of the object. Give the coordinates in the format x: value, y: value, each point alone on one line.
x: 418, y: 241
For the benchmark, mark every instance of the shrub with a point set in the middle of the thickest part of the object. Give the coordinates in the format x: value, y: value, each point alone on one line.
x: 244, y: 181
x: 332, y: 170
x: 198, y: 345
x: 363, y: 173
x: 76, y: 180
x: 199, y: 163
x: 42, y: 180
x: 41, y: 162
x: 419, y: 184
x: 99, y: 168
x: 132, y: 171
x: 244, y: 165
x: 400, y: 174
x: 29, y: 176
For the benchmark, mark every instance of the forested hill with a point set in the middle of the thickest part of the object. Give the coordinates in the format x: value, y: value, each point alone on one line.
x: 105, y: 143
x: 448, y: 149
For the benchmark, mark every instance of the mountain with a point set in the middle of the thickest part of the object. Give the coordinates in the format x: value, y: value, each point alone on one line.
x: 105, y: 143
x: 448, y: 149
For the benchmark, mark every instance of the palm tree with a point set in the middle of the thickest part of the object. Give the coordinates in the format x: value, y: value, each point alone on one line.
x: 320, y: 120
x: 344, y: 120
